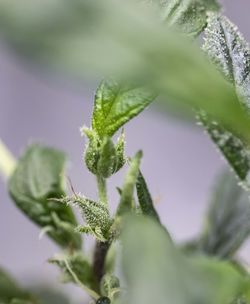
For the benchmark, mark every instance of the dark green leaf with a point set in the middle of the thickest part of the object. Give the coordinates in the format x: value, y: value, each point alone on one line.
x: 116, y: 104
x: 157, y: 272
x: 144, y: 198
x: 228, y: 221
x: 48, y: 295
x: 127, y: 195
x: 37, y: 179
x: 230, y: 52
x: 9, y: 290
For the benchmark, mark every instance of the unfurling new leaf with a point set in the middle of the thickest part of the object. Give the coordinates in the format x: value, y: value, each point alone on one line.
x: 116, y: 104
x: 37, y: 179
x: 228, y: 221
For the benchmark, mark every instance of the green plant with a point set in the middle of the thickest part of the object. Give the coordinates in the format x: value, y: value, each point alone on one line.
x: 155, y: 269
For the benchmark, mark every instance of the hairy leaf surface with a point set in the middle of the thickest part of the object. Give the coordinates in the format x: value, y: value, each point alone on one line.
x: 37, y: 179
x: 230, y: 52
x: 116, y: 104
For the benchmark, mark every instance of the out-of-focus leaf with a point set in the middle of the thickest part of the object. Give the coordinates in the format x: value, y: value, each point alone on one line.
x: 158, y: 273
x: 228, y: 221
x: 108, y: 37
x: 212, y: 5
x: 144, y: 198
x: 189, y: 15
x: 39, y: 177
x: 116, y: 104
x: 76, y: 268
x: 48, y: 295
x: 9, y: 290
x: 231, y: 53
x: 127, y: 195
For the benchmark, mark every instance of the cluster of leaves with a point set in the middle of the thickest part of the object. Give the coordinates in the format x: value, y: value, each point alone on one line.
x: 205, y: 271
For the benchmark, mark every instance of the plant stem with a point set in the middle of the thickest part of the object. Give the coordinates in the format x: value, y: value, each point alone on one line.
x: 101, y: 250
x: 7, y: 161
x: 102, y: 189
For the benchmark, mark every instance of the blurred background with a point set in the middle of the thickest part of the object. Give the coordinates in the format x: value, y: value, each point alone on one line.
x: 180, y: 162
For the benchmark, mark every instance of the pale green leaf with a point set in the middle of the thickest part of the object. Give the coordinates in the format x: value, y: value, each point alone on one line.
x: 228, y: 220
x: 157, y: 272
x: 127, y: 196
x: 116, y: 104
x: 227, y: 48
x: 114, y: 38
x: 37, y: 179
x: 75, y: 268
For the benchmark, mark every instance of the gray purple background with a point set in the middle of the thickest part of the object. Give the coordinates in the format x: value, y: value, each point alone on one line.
x: 180, y: 162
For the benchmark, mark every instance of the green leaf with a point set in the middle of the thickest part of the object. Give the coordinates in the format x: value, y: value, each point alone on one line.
x: 116, y: 104
x: 75, y: 268
x: 144, y: 198
x: 127, y: 195
x: 49, y: 295
x: 227, y: 48
x: 188, y: 15
x: 157, y: 272
x: 227, y: 223
x: 96, y: 215
x: 10, y: 290
x: 117, y: 38
x: 37, y: 179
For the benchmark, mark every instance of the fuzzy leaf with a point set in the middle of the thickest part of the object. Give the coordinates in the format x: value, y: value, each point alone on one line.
x: 230, y: 52
x: 127, y: 195
x: 77, y: 264
x: 228, y: 221
x: 144, y: 198
x: 116, y: 104
x: 95, y: 214
x: 37, y: 179
x: 188, y: 15
x: 157, y: 272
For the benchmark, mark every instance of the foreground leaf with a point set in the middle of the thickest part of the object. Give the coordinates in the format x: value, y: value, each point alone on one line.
x: 158, y: 273
x: 230, y: 52
x: 116, y: 104
x: 39, y: 177
x: 228, y: 221
x: 118, y: 38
